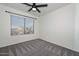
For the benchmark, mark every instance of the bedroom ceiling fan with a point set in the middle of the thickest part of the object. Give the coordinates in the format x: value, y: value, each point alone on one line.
x: 35, y: 7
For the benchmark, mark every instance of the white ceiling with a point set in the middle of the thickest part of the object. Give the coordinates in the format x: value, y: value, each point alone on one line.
x: 25, y: 8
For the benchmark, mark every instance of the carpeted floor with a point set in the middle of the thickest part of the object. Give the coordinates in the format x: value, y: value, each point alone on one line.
x: 36, y: 47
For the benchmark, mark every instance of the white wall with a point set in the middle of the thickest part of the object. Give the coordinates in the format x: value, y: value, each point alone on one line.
x: 58, y: 26
x: 5, y: 37
x: 76, y: 41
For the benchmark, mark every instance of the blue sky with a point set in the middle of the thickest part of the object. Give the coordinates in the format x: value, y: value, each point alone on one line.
x: 28, y: 22
x: 19, y: 21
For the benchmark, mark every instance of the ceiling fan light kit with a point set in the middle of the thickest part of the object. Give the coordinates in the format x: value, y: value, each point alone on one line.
x: 35, y: 7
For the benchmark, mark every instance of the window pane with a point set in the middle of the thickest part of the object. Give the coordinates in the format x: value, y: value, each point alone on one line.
x: 29, y: 26
x: 17, y: 25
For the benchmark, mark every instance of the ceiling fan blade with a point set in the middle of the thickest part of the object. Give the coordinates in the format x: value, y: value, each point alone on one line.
x: 44, y: 5
x: 26, y: 4
x: 38, y: 10
x: 30, y: 9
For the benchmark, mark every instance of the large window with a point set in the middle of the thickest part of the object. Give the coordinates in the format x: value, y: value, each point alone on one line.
x: 21, y: 25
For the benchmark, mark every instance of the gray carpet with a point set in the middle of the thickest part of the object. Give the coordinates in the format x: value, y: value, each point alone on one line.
x: 36, y: 47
